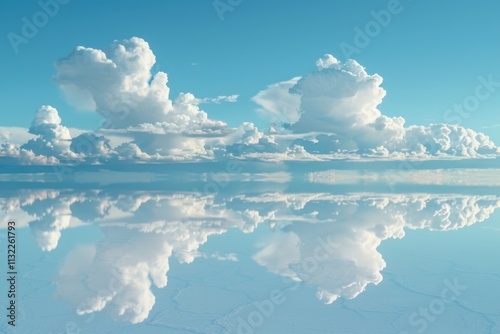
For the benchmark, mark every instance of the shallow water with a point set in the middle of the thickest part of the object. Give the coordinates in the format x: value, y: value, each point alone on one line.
x: 326, y: 252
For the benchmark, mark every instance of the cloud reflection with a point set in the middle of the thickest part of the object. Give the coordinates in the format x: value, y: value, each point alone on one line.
x: 327, y: 241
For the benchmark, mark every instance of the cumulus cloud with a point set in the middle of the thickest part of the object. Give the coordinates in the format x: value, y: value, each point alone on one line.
x: 277, y: 104
x: 52, y: 139
x: 247, y: 139
x: 140, y: 120
x: 449, y: 139
x: 338, y: 98
x: 340, y: 101
x: 9, y: 150
x: 91, y: 145
x: 120, y: 86
x: 330, y: 113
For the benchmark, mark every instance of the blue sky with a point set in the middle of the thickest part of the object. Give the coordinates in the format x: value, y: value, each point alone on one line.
x: 430, y: 55
x: 342, y: 149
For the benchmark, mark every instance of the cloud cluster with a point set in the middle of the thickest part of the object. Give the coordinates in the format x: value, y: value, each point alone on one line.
x: 337, y: 106
x: 327, y: 114
x: 135, y: 105
x: 120, y: 86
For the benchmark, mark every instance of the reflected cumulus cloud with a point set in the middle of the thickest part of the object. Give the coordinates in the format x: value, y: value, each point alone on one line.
x: 323, y: 240
x: 330, y: 241
x: 141, y: 233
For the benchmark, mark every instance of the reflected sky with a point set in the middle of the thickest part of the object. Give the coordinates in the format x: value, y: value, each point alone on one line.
x: 264, y: 254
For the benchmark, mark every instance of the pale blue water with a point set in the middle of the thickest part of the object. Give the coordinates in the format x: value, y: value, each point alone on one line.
x: 273, y: 254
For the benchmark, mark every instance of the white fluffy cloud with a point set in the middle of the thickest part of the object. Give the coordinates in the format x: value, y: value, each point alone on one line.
x: 9, y: 149
x: 340, y: 102
x: 339, y: 99
x: 117, y: 84
x: 327, y: 114
x: 52, y: 139
x: 120, y: 86
x: 247, y: 140
x: 136, y: 107
x: 89, y: 144
x: 448, y: 139
x: 278, y: 105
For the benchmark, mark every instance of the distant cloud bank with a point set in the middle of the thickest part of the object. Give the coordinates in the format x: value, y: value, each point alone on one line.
x: 327, y: 114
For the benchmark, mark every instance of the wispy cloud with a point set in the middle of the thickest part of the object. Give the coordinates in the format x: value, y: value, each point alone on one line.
x: 491, y: 126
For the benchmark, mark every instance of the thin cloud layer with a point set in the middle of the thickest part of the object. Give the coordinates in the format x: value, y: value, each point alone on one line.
x: 489, y: 177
